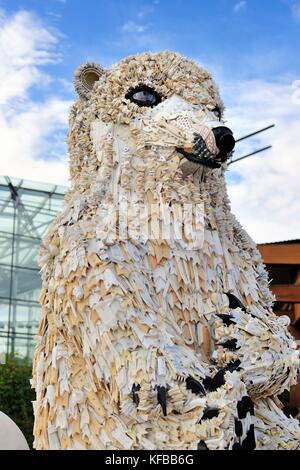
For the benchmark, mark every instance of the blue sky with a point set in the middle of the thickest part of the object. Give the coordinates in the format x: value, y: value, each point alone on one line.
x: 250, y: 46
x: 246, y: 39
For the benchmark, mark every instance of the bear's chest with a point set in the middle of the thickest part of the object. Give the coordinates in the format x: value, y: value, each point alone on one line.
x: 180, y: 286
x: 156, y: 277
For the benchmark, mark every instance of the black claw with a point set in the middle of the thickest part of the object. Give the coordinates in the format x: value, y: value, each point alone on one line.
x: 209, y: 413
x: 244, y: 406
x: 290, y: 411
x: 212, y: 384
x: 233, y: 365
x: 202, y: 446
x: 195, y: 386
x: 162, y: 398
x: 236, y: 446
x: 238, y: 426
x: 249, y: 443
x: 135, y: 395
x: 230, y: 344
x: 227, y: 319
x: 234, y: 302
x: 208, y: 383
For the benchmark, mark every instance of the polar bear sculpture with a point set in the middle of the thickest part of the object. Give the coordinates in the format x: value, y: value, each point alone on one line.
x: 156, y: 330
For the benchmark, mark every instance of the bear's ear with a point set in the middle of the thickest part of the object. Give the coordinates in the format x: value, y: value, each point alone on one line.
x: 85, y: 77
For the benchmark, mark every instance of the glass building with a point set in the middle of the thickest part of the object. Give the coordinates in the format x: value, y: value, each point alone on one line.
x: 26, y: 210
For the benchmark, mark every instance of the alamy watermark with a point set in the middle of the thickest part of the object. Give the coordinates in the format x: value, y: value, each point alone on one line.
x: 160, y: 221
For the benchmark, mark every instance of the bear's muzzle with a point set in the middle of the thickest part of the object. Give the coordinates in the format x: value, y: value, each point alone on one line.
x: 200, y: 152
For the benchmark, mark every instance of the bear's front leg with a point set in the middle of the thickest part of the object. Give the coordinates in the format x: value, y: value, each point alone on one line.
x: 112, y: 372
x: 260, y: 341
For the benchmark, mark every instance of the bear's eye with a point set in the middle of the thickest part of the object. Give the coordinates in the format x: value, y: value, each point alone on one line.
x: 217, y: 112
x: 143, y: 96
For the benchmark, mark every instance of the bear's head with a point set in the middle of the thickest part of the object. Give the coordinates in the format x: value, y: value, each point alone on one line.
x: 152, y: 119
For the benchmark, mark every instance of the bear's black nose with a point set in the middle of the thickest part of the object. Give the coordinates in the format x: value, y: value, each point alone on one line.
x: 224, y: 140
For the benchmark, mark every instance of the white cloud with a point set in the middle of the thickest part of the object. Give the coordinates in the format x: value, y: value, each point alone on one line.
x: 145, y: 11
x: 133, y: 27
x: 265, y: 198
x: 32, y: 131
x: 296, y: 10
x: 239, y: 6
x: 56, y: 16
x: 265, y: 192
x: 27, y: 151
x: 24, y: 45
